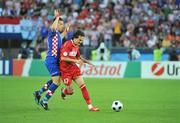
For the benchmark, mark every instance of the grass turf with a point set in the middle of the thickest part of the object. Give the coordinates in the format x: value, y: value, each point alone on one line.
x: 145, y: 101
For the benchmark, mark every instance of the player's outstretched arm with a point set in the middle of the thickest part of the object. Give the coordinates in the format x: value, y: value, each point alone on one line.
x: 86, y: 61
x: 55, y: 23
x: 66, y: 59
x: 64, y: 33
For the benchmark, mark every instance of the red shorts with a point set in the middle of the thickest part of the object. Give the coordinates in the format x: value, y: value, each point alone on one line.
x: 68, y: 76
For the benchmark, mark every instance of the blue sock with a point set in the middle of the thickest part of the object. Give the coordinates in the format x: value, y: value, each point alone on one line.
x: 45, y: 87
x: 50, y: 92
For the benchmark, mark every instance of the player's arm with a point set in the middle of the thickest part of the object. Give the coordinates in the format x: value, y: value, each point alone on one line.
x: 67, y: 59
x: 55, y: 23
x: 85, y: 60
x: 64, y: 33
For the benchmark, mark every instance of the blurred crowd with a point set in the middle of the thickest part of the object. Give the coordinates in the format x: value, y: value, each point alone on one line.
x: 118, y: 23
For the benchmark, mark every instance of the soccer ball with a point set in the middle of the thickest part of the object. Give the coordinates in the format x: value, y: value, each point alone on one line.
x: 117, y: 106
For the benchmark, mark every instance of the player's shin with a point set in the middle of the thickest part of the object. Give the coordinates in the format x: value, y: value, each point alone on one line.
x: 86, y: 95
x: 50, y: 92
x: 45, y: 87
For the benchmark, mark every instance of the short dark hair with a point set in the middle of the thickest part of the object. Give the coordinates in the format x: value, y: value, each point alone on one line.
x: 78, y: 33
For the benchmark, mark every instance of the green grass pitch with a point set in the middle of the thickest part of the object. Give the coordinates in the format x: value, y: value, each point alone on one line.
x: 145, y: 101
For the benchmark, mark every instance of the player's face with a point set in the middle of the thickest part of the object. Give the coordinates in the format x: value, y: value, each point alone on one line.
x: 61, y: 26
x: 79, y: 40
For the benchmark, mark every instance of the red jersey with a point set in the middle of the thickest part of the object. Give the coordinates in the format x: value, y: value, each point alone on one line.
x: 69, y: 69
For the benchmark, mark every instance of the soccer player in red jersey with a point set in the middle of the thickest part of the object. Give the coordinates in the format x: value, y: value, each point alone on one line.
x: 69, y: 56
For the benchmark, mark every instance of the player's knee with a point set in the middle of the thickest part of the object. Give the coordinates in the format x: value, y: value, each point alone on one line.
x: 57, y: 83
x: 56, y: 80
x: 79, y: 81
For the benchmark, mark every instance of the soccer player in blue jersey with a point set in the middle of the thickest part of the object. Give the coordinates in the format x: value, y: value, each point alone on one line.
x: 55, y: 35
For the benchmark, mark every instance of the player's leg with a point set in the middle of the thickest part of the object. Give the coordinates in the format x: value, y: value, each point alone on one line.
x: 52, y: 68
x: 46, y: 86
x: 52, y: 88
x: 80, y: 82
x: 67, y: 80
x: 50, y: 92
x: 66, y: 91
x: 55, y: 77
x: 37, y: 94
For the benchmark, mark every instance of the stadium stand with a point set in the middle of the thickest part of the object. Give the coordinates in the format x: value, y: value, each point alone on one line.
x: 117, y: 23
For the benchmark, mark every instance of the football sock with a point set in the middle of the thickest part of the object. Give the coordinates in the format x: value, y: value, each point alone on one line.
x: 90, y: 106
x: 45, y: 87
x: 85, y: 95
x: 50, y: 92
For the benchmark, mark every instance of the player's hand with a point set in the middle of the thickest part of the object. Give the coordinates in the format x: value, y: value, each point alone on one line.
x: 67, y: 27
x: 57, y: 13
x: 92, y: 65
x: 80, y: 62
x: 64, y: 33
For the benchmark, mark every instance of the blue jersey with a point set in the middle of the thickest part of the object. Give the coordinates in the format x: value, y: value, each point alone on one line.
x: 54, y: 45
x: 53, y: 53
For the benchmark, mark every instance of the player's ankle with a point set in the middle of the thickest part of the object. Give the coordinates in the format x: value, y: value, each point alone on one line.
x: 90, y: 106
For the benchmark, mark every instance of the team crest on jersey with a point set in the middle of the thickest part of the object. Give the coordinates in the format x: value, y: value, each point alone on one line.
x: 65, y: 53
x: 73, y: 53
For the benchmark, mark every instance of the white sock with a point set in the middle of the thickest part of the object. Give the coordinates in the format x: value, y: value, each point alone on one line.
x: 90, y: 106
